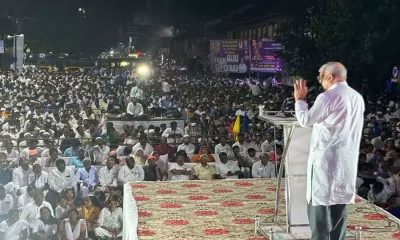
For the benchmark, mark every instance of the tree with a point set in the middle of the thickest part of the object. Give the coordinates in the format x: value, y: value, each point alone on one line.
x: 360, y: 33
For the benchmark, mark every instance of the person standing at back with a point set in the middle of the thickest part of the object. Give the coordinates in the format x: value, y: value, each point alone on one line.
x: 337, y: 118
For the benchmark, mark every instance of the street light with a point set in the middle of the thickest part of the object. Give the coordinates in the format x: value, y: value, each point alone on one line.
x: 20, y: 38
x: 83, y: 11
x: 143, y: 70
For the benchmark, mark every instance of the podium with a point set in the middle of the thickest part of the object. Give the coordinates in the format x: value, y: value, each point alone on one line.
x: 294, y: 164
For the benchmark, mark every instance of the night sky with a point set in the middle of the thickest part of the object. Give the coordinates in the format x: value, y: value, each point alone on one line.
x: 58, y: 25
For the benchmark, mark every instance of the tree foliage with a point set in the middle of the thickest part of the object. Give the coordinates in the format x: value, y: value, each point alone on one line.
x: 363, y: 34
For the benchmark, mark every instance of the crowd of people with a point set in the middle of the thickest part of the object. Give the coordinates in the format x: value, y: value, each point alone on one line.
x: 63, y: 162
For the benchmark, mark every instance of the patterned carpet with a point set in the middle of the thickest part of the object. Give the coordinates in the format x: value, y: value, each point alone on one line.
x: 225, y: 209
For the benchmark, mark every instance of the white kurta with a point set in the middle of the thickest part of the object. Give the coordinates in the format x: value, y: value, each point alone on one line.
x: 189, y: 149
x: 130, y: 175
x: 337, y: 118
x: 39, y: 182
x: 223, y: 168
x: 176, y: 166
x: 108, y: 177
x: 258, y: 170
x: 59, y: 181
x: 21, y: 177
x: 6, y: 204
x: 31, y: 213
x: 14, y: 231
x: 146, y: 151
x: 111, y: 220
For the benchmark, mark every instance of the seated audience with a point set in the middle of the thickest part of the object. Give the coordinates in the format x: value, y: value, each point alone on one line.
x: 150, y: 169
x: 110, y: 220
x: 144, y: 145
x: 39, y: 178
x: 226, y: 169
x: 60, y: 179
x: 186, y: 145
x: 130, y: 172
x: 73, y: 227
x: 204, y: 171
x: 178, y: 171
x: 264, y: 168
x: 90, y: 213
x: 6, y: 203
x: 14, y: 228
x: 203, y: 151
x: 31, y: 211
x: 21, y: 176
x: 108, y: 175
x: 87, y: 178
x: 173, y: 134
x: 47, y: 226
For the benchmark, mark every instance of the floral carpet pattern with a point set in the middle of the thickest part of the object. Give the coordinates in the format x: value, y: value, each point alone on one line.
x: 226, y: 209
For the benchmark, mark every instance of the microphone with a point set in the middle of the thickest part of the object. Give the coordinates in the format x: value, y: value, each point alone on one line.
x: 282, y: 113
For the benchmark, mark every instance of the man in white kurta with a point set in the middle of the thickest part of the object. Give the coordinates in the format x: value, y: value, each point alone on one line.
x: 186, y: 145
x: 31, y: 211
x: 108, y: 175
x: 130, y: 172
x: 61, y: 178
x: 14, y: 228
x: 264, y: 168
x: 337, y: 118
x: 6, y: 203
x: 226, y: 169
x: 20, y: 176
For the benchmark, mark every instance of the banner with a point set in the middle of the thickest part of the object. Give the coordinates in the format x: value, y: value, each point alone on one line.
x: 264, y: 56
x: 229, y: 56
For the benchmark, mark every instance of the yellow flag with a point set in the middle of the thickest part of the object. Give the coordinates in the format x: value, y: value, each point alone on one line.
x: 236, y: 127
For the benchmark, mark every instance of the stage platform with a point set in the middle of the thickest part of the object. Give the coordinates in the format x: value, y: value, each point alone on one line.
x: 224, y: 209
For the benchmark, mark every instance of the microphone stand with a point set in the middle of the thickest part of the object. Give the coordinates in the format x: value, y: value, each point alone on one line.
x: 282, y: 113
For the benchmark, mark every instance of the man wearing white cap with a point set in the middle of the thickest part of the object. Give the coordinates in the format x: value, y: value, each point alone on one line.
x: 186, y: 146
x: 23, y: 143
x: 143, y: 144
x: 127, y: 148
x: 100, y: 151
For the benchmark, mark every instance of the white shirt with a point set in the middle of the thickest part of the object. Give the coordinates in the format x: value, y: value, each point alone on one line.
x: 137, y: 93
x: 39, y: 182
x: 267, y: 146
x: 6, y: 204
x: 49, y: 229
x: 176, y: 166
x: 260, y: 171
x: 108, y: 177
x: 166, y: 87
x: 134, y: 109
x: 172, y: 140
x: 223, y: 168
x: 189, y: 149
x: 99, y: 154
x: 130, y: 175
x: 146, y: 151
x: 31, y: 213
x: 14, y: 231
x: 59, y: 181
x: 226, y: 149
x: 110, y: 219
x: 337, y: 118
x: 21, y: 177
x: 23, y: 200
